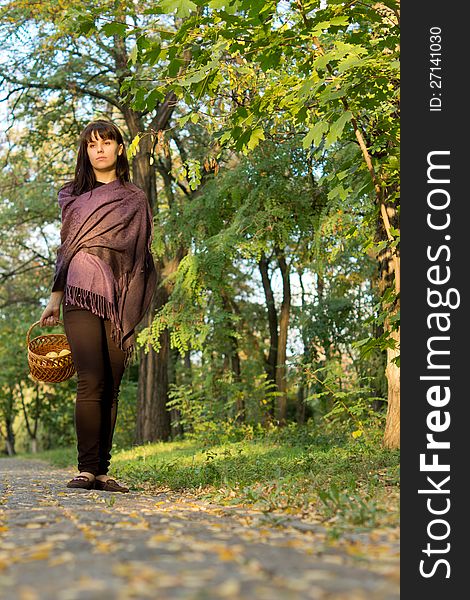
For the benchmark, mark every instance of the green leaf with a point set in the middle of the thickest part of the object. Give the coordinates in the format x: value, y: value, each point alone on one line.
x: 139, y: 102
x: 256, y: 136
x: 322, y: 61
x: 340, y: 21
x: 152, y: 98
x: 217, y: 3
x: 86, y: 26
x: 349, y: 62
x: 133, y: 54
x: 227, y: 135
x: 152, y: 55
x: 114, y: 29
x: 174, y: 67
x: 315, y: 134
x: 183, y: 7
x: 183, y: 120
x: 336, y: 128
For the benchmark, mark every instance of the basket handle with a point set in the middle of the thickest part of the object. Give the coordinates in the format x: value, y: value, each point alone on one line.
x: 59, y: 322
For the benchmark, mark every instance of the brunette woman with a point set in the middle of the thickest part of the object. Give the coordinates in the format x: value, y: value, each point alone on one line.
x: 104, y: 279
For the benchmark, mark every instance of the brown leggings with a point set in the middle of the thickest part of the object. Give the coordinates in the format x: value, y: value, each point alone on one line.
x: 100, y: 367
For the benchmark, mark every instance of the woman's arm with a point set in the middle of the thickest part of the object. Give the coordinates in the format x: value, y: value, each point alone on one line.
x: 51, y: 313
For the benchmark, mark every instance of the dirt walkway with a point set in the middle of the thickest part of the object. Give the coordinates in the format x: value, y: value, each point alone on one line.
x: 63, y: 544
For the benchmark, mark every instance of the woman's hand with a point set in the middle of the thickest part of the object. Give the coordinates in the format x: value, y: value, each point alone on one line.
x: 51, y: 313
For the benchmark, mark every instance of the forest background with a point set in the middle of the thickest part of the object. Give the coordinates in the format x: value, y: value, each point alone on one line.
x: 266, y: 137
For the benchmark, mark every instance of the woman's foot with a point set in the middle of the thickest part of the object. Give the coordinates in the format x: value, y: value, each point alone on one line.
x: 83, y: 480
x: 108, y: 484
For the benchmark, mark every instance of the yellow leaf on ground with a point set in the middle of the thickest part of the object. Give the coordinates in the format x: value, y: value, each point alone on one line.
x: 227, y: 554
x: 105, y: 547
x: 160, y: 537
x: 38, y: 555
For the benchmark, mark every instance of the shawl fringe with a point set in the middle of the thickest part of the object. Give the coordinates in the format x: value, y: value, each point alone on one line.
x: 88, y: 299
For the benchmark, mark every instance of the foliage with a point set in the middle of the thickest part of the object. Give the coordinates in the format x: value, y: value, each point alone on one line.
x: 262, y: 157
x: 203, y: 412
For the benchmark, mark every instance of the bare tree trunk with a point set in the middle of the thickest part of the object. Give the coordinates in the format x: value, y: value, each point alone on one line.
x: 32, y: 431
x: 389, y: 278
x: 300, y: 405
x: 153, y: 418
x: 271, y: 360
x: 281, y: 370
x: 301, y: 409
x: 10, y: 437
x: 392, y: 426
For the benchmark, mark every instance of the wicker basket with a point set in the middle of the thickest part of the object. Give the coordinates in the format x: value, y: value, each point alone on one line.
x: 44, y: 368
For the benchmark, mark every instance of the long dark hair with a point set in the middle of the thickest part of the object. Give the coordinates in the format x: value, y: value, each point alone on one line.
x: 84, y: 178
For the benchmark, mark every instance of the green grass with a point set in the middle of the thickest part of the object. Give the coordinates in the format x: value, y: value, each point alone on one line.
x: 328, y: 476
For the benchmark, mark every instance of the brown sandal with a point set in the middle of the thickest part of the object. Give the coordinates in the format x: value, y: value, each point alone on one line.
x: 110, y: 485
x: 81, y: 481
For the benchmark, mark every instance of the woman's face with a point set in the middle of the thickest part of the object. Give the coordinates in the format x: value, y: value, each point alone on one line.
x: 103, y: 153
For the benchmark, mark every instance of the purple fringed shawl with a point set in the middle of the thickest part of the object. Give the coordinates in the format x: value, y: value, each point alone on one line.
x: 113, y: 223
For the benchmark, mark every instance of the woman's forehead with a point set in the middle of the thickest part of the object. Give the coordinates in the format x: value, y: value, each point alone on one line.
x: 95, y: 136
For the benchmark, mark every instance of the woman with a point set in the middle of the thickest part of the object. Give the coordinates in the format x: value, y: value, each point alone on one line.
x: 106, y: 276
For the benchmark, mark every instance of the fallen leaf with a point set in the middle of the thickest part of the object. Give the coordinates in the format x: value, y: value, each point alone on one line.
x: 61, y: 559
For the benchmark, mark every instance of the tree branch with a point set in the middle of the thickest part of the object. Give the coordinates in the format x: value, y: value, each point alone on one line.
x: 69, y: 86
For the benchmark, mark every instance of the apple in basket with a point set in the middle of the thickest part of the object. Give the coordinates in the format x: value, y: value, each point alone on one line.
x: 53, y: 354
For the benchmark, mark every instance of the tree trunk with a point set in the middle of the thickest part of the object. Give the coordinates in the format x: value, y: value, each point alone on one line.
x: 10, y: 438
x: 281, y: 370
x: 389, y: 278
x: 300, y: 406
x: 153, y: 418
x: 392, y: 426
x: 271, y: 360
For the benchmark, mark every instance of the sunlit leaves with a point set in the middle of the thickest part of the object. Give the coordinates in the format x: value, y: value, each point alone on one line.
x: 315, y: 134
x: 336, y: 128
x: 133, y: 147
x: 183, y: 8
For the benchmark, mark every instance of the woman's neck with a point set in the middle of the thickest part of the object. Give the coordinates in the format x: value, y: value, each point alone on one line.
x: 105, y: 177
